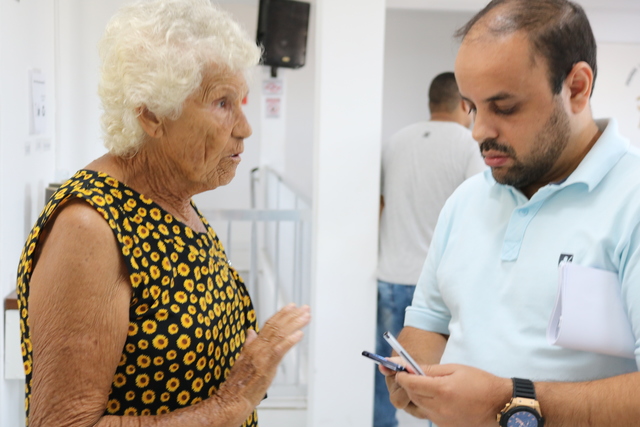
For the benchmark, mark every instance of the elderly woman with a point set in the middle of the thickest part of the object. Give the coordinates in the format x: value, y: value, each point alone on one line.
x: 131, y: 314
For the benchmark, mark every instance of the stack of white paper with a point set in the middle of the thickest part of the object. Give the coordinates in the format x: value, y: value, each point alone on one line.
x: 589, y: 314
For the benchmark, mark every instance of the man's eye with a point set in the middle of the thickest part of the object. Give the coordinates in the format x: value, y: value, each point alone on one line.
x: 471, y: 109
x: 505, y: 111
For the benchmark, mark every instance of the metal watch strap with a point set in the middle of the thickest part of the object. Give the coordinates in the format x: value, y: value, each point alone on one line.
x: 523, y: 388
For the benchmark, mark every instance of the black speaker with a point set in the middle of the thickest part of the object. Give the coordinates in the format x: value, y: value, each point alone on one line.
x: 282, y: 32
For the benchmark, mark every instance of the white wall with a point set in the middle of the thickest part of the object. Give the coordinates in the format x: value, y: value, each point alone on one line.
x: 79, y: 26
x: 348, y: 111
x: 419, y: 45
x: 614, y: 26
x: 617, y: 87
x: 26, y: 41
x: 300, y: 126
x: 615, y: 94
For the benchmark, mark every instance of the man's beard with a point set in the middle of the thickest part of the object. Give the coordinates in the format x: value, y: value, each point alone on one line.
x: 550, y: 143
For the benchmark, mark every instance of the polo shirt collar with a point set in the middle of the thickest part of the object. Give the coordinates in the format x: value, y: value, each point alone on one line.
x: 604, y: 154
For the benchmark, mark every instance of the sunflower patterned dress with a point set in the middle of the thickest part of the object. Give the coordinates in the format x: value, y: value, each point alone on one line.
x: 188, y: 312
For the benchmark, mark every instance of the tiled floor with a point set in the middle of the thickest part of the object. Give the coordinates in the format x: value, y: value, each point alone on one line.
x: 289, y: 418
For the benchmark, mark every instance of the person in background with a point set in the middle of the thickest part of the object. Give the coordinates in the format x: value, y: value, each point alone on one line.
x: 421, y: 166
x: 130, y: 312
x: 561, y: 185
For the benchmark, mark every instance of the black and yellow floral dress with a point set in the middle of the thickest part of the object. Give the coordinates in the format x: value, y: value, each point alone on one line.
x: 189, y: 309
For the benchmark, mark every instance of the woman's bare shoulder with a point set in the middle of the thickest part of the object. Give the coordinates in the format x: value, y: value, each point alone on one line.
x: 78, y: 238
x: 77, y: 217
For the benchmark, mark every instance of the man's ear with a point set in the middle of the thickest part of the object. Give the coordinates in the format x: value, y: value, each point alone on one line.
x: 150, y: 123
x: 463, y: 106
x: 464, y: 118
x: 580, y: 84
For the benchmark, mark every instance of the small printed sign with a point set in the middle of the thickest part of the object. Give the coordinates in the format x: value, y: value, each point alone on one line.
x: 38, y: 116
x: 272, y: 87
x: 273, y: 107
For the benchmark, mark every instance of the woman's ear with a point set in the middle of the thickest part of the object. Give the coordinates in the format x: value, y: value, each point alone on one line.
x: 580, y: 84
x: 150, y: 123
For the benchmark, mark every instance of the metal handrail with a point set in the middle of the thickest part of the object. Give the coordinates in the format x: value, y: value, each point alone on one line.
x: 283, y: 181
x: 279, y: 258
x: 255, y: 216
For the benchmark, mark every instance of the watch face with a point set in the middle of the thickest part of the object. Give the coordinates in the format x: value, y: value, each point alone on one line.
x: 522, y: 419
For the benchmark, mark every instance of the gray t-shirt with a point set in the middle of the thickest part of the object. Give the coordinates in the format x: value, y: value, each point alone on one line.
x: 421, y: 167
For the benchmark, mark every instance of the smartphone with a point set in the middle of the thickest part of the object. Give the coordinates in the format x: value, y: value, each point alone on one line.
x: 384, y: 362
x: 388, y: 336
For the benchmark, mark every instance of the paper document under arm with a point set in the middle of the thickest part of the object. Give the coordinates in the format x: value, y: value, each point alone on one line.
x: 589, y: 314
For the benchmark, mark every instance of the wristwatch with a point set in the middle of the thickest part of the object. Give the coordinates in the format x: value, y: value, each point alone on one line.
x: 523, y: 410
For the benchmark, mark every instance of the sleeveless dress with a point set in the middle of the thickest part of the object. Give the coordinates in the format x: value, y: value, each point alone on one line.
x: 189, y: 308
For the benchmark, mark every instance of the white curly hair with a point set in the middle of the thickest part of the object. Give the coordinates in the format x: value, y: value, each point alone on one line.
x: 153, y: 55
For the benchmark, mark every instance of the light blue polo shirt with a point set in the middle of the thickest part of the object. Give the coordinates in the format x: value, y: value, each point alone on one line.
x: 491, y: 275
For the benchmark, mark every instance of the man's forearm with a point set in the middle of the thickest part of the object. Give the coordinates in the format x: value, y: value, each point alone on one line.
x: 424, y: 346
x: 607, y: 402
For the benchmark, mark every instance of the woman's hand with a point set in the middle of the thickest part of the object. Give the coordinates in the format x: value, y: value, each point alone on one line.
x: 257, y: 365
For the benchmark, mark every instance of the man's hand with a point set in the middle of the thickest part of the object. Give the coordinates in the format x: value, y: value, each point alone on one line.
x: 453, y: 395
x: 397, y: 395
x: 426, y: 348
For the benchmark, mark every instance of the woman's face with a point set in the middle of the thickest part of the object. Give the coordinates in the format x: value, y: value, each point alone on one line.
x: 205, y: 143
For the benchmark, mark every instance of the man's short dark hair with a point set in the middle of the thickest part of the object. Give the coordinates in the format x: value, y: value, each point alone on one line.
x: 443, y: 93
x: 558, y: 30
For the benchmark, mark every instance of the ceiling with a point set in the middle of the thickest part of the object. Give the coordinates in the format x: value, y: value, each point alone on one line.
x: 475, y: 5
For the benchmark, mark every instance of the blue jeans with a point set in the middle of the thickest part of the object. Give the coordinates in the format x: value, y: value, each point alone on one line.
x: 393, y: 299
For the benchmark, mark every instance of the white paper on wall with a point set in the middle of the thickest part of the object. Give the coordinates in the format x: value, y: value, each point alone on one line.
x: 38, y: 111
x: 272, y: 92
x: 272, y: 107
x: 272, y: 87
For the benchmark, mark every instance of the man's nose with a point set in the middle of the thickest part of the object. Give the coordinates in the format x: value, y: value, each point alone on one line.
x: 483, y: 128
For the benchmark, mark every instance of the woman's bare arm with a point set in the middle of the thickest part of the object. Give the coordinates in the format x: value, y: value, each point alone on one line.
x: 79, y: 318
